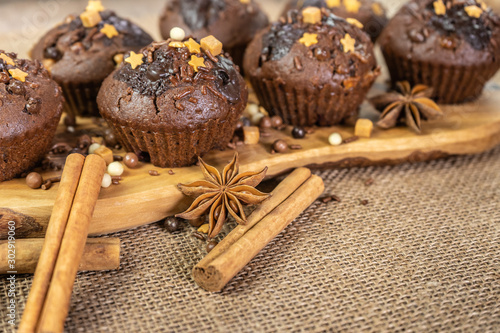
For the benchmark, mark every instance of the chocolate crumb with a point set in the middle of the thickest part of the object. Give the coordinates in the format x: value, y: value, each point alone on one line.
x: 153, y: 173
x: 369, y: 181
x: 297, y: 63
x: 295, y: 147
x: 115, y: 182
x: 351, y: 139
x: 363, y: 202
x: 171, y: 172
x: 117, y: 158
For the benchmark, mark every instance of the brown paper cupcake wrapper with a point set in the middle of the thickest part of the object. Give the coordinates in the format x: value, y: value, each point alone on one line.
x: 237, y: 53
x: 451, y: 84
x: 180, y: 148
x: 309, y: 106
x: 81, y: 99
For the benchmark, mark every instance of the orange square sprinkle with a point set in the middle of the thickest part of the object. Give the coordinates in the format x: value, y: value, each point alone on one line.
x: 211, y: 44
x: 439, y: 7
x: 90, y: 18
x: 363, y: 128
x: 311, y: 15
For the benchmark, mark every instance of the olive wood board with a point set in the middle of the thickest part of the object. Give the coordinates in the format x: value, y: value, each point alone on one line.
x: 141, y: 198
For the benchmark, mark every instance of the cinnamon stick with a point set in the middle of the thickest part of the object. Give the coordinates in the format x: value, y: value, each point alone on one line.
x: 215, y: 271
x: 55, y: 230
x: 100, y: 254
x: 56, y: 305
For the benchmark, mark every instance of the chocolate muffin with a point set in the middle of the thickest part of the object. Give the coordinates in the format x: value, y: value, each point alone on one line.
x: 311, y: 67
x: 371, y: 14
x: 82, y: 51
x: 233, y: 22
x: 452, y: 46
x: 174, y: 101
x: 30, y: 108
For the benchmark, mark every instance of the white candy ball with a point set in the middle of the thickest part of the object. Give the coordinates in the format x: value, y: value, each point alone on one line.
x: 93, y: 147
x: 106, y: 181
x: 252, y: 109
x: 115, y: 169
x: 256, y: 118
x: 335, y: 139
x: 177, y: 34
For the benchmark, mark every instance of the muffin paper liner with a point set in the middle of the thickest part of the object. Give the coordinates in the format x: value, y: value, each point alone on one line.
x: 81, y: 99
x: 237, y: 53
x: 19, y: 158
x: 177, y: 148
x: 309, y: 106
x: 451, y: 84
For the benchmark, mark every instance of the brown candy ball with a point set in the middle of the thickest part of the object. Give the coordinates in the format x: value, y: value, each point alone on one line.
x: 265, y: 122
x: 34, y: 180
x: 131, y: 160
x: 276, y: 121
x: 280, y: 146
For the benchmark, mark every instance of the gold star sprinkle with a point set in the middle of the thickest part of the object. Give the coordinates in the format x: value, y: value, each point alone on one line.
x: 193, y: 46
x: 439, y: 7
x: 90, y: 18
x: 18, y: 74
x: 473, y: 11
x: 309, y: 39
x: 135, y: 59
x: 212, y: 44
x: 348, y: 43
x: 95, y: 6
x: 332, y: 3
x: 8, y: 60
x: 118, y: 58
x: 311, y: 15
x: 176, y: 44
x: 354, y: 22
x: 352, y: 6
x: 377, y: 9
x: 196, y: 62
x: 109, y: 30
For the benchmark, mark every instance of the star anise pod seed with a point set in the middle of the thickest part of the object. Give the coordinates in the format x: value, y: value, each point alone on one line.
x: 222, y: 194
x: 415, y: 101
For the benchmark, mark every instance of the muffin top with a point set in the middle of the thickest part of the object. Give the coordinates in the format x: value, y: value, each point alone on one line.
x: 444, y: 31
x: 370, y: 13
x: 86, y: 48
x: 319, y: 49
x: 29, y: 98
x: 174, y: 84
x: 233, y: 22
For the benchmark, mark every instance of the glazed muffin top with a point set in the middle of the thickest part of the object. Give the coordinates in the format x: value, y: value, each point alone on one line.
x: 328, y: 51
x: 457, y: 32
x: 174, y: 84
x: 370, y: 13
x: 86, y: 48
x: 233, y: 22
x: 29, y: 98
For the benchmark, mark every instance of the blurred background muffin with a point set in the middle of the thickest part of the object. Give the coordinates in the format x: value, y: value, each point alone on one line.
x: 83, y: 50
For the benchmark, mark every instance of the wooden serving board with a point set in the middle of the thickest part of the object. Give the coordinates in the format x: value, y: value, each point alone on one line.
x: 142, y: 198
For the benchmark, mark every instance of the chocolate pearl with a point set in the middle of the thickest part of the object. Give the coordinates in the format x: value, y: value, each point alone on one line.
x: 34, y: 180
x: 276, y: 121
x: 321, y: 54
x: 131, y: 160
x: 448, y: 42
x: 70, y: 120
x: 16, y: 87
x: 246, y: 122
x: 51, y: 53
x: 110, y: 139
x: 211, y: 245
x: 84, y: 141
x: 4, y: 78
x: 416, y: 36
x: 280, y: 146
x: 298, y: 132
x: 239, y: 125
x: 171, y: 224
x: 33, y: 106
x: 265, y: 122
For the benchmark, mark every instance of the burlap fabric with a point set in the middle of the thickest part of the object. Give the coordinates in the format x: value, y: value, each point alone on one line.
x: 422, y: 255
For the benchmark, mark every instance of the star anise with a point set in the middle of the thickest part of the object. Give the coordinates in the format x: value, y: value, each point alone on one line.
x: 415, y: 101
x: 222, y: 194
